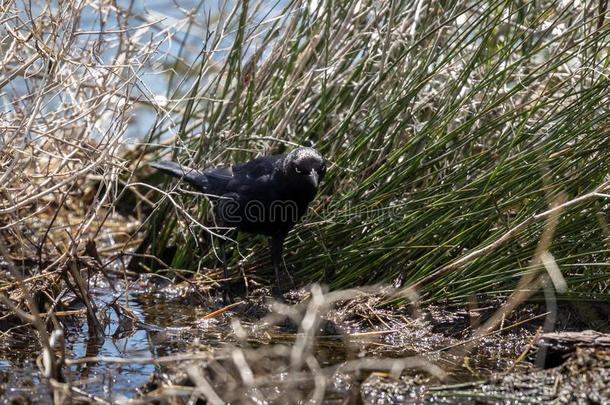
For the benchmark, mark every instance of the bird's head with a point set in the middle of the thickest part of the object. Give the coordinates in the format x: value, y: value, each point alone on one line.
x: 305, y: 164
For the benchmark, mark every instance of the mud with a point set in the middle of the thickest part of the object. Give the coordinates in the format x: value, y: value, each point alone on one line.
x: 165, y: 342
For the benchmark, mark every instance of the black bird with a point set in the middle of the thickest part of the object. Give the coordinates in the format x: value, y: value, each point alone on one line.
x: 265, y: 196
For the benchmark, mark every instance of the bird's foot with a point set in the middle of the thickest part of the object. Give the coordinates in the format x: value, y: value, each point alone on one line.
x: 227, y: 294
x: 278, y: 294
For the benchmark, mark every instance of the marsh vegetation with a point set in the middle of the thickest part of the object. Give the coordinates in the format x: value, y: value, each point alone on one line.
x: 462, y: 221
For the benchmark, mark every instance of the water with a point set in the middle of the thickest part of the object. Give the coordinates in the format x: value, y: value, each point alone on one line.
x: 176, y: 33
x: 168, y: 320
x: 166, y: 328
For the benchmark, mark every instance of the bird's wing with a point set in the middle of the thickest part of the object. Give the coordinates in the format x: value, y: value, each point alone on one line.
x: 252, y: 179
x: 242, y: 178
x: 213, y: 181
x: 219, y: 179
x: 192, y: 176
x: 257, y: 168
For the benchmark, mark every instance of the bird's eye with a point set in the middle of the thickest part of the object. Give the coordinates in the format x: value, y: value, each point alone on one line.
x: 296, y: 169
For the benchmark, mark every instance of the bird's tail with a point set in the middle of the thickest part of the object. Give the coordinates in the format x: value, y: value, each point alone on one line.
x: 191, y: 176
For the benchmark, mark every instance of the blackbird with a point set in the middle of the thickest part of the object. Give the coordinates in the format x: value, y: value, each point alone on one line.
x: 264, y: 196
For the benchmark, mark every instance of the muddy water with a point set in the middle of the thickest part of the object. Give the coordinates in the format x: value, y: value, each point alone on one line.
x: 168, y: 320
x: 165, y: 330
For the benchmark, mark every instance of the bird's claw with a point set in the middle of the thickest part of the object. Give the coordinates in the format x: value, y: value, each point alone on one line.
x: 278, y: 294
x: 227, y: 294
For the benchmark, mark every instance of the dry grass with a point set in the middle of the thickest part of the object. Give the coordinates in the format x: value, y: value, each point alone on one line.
x: 66, y: 98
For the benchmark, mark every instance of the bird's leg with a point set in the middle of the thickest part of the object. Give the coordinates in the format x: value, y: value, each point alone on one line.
x: 277, y: 248
x: 227, y: 294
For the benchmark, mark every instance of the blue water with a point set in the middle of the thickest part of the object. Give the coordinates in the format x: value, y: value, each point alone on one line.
x: 169, y: 327
x: 110, y: 379
x: 176, y: 29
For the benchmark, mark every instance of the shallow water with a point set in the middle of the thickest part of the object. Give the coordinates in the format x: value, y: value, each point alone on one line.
x: 166, y: 332
x: 169, y: 321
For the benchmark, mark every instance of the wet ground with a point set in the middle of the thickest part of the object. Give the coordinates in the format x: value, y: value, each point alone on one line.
x: 165, y: 342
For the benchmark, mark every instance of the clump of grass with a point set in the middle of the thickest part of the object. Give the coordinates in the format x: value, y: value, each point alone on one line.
x: 445, y: 125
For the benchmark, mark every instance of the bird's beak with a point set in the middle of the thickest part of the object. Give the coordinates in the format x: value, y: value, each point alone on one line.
x: 313, y: 178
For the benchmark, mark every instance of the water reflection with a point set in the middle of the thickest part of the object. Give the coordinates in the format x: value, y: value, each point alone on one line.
x: 164, y: 332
